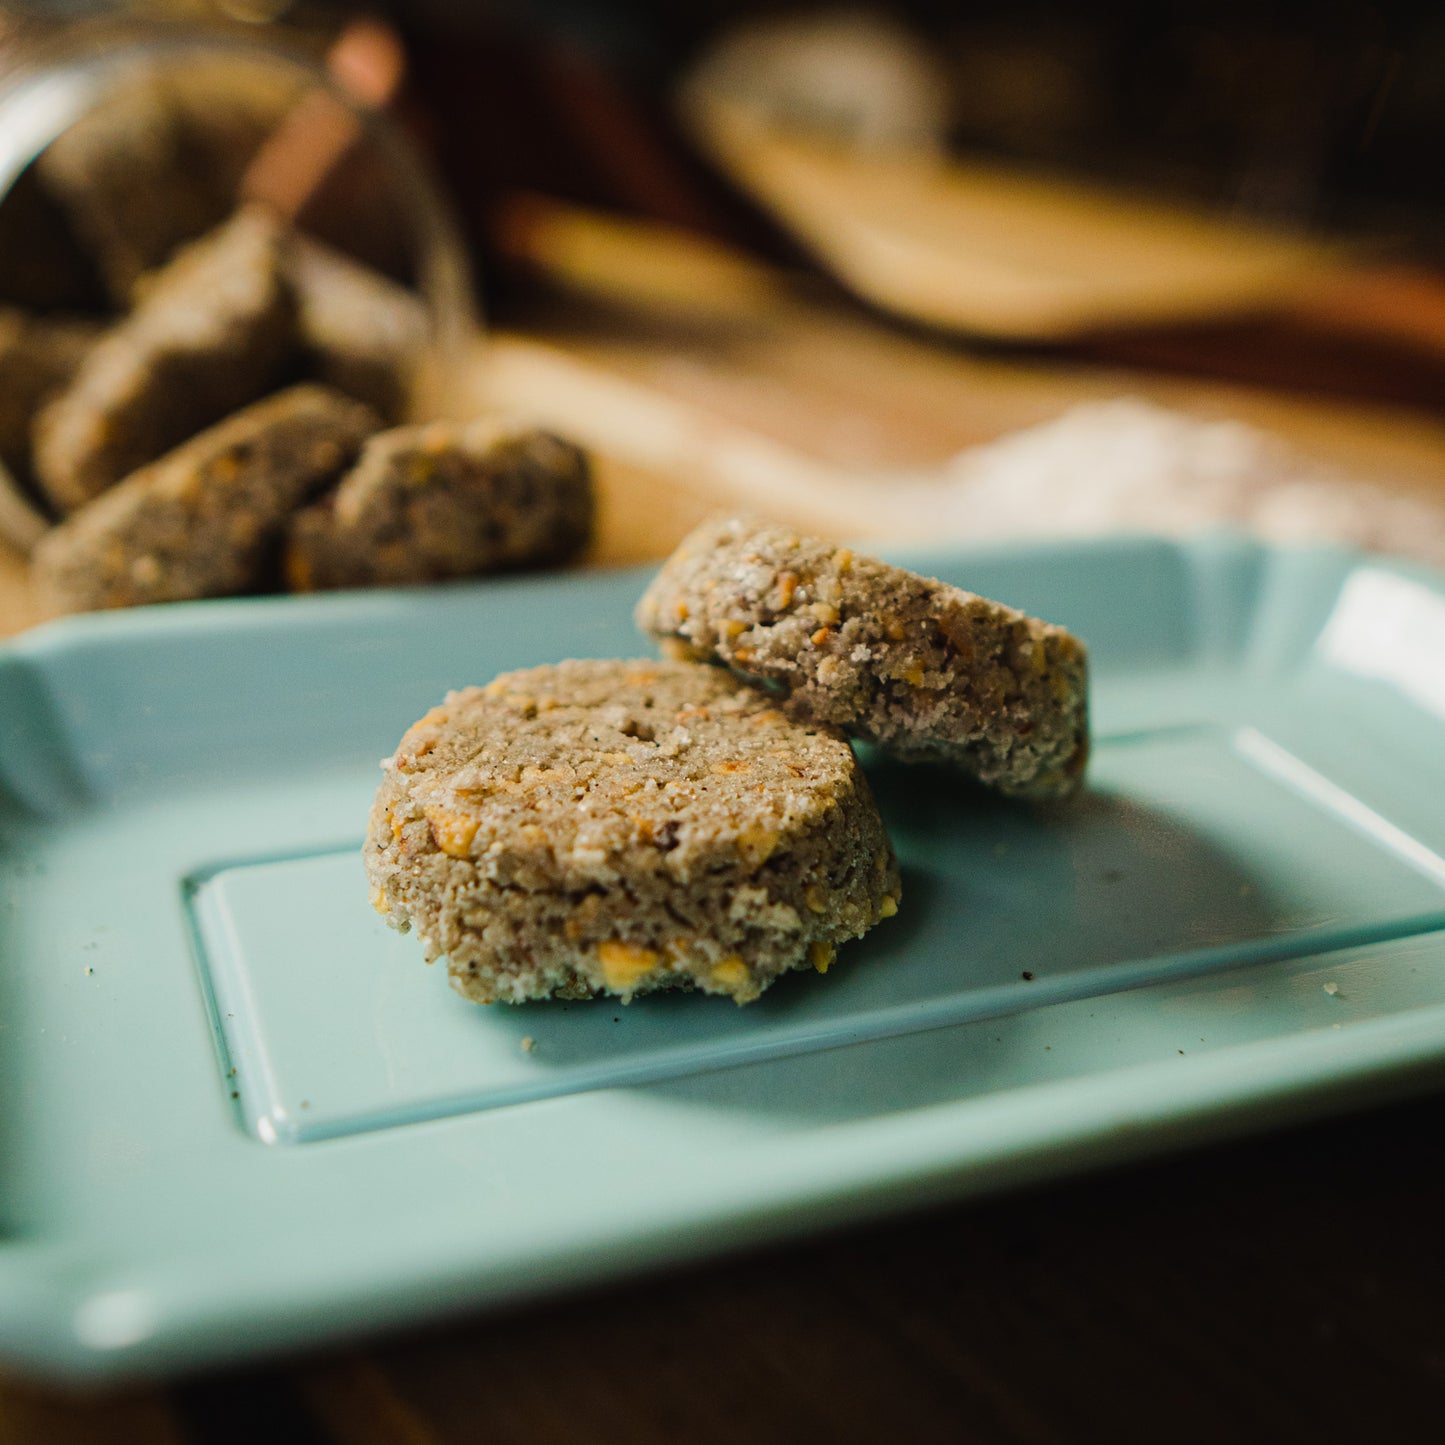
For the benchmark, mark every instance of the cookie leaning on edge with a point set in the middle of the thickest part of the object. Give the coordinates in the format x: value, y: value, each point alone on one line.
x: 619, y: 827
x: 928, y: 671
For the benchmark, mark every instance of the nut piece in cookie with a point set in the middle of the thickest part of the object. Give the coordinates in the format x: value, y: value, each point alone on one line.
x: 427, y: 503
x: 620, y: 827
x: 211, y: 332
x: 205, y: 520
x: 928, y: 671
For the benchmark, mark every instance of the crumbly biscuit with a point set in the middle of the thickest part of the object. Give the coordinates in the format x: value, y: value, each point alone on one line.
x: 618, y: 827
x: 361, y: 332
x: 38, y: 355
x: 427, y: 503
x: 205, y: 520
x: 926, y: 670
x: 212, y: 331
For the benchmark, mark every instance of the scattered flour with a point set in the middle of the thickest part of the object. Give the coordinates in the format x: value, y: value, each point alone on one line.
x: 1131, y: 465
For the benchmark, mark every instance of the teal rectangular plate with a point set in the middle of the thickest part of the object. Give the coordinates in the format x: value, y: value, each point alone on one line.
x: 237, y: 1113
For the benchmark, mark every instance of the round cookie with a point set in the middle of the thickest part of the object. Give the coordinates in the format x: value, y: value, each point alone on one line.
x: 619, y: 827
x: 928, y: 671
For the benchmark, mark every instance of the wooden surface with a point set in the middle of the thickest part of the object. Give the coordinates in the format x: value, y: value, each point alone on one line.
x: 729, y: 380
x: 1279, y: 1290
x: 992, y: 251
x: 1275, y: 1290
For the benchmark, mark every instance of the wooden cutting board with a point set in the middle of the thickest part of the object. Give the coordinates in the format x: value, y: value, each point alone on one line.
x: 735, y: 382
x: 999, y: 252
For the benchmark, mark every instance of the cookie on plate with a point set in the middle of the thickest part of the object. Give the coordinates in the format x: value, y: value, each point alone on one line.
x: 928, y: 671
x: 619, y: 827
x: 206, y: 519
x: 427, y: 503
x: 212, y: 331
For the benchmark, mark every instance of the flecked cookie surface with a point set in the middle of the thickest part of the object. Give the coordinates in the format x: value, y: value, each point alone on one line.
x: 926, y: 670
x: 206, y: 519
x: 618, y: 827
x: 212, y: 331
x: 443, y: 500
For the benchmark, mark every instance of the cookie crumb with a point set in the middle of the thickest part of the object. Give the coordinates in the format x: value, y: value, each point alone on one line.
x: 528, y: 1044
x: 1027, y: 976
x: 1332, y: 989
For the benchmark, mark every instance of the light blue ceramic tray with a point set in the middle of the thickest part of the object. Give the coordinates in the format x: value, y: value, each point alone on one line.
x: 236, y: 1112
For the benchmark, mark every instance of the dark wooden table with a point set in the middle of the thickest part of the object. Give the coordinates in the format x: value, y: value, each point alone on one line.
x: 1281, y: 1289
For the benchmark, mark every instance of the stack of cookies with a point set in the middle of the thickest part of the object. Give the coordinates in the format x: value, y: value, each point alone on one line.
x: 620, y: 827
x: 230, y: 434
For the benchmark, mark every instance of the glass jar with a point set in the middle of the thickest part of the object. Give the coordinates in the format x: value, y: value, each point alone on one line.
x: 121, y: 144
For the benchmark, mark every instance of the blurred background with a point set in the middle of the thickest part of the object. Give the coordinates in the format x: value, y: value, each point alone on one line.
x: 824, y: 261
x: 1320, y: 121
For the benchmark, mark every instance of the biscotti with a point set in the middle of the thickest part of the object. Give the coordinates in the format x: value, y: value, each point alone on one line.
x: 358, y: 330
x: 38, y: 356
x: 430, y: 503
x: 206, y: 520
x: 212, y: 331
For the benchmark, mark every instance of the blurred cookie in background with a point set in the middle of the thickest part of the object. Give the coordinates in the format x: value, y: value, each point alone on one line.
x: 438, y: 502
